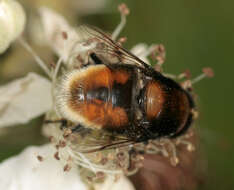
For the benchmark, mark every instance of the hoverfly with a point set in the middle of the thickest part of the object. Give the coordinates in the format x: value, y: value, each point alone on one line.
x: 115, y: 92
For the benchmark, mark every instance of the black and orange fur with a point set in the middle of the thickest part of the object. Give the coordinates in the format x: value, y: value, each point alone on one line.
x: 129, y: 99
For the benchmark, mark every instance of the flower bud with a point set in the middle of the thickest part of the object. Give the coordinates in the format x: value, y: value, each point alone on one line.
x: 12, y: 22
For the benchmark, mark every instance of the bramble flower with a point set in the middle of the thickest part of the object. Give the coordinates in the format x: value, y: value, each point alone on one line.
x: 29, y: 97
x: 63, y: 160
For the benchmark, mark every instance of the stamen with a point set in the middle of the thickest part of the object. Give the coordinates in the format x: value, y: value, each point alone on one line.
x: 169, y: 75
x: 67, y: 168
x: 149, y: 51
x: 207, y: 72
x: 36, y: 57
x: 122, y: 40
x: 124, y: 11
x: 172, y: 149
x: 159, y: 54
x: 40, y: 158
x: 174, y: 159
x: 198, y: 78
x: 58, y: 64
x: 186, y: 74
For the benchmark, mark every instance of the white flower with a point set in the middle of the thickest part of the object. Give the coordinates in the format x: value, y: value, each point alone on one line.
x: 12, y: 22
x: 27, y: 172
x: 29, y: 97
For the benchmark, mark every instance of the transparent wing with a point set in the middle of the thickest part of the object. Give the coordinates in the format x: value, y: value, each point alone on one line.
x: 107, y: 48
x: 96, y: 140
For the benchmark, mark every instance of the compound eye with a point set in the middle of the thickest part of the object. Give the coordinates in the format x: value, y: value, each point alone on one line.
x: 154, y: 100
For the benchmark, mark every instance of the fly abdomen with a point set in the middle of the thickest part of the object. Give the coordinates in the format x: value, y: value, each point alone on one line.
x: 99, y: 97
x: 101, y: 94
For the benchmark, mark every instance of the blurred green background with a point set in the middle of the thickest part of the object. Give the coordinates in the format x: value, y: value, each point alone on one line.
x: 196, y: 34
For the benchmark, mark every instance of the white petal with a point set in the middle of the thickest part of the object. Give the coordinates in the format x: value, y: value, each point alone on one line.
x: 141, y: 51
x: 54, y: 25
x: 24, y: 99
x: 12, y: 22
x: 5, y: 38
x: 18, y: 16
x: 26, y: 172
x: 111, y: 184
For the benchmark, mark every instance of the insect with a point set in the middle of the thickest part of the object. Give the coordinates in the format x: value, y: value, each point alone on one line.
x: 116, y: 92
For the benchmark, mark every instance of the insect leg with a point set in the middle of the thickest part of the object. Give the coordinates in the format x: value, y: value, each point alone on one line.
x: 96, y: 59
x: 77, y: 128
x: 63, y: 122
x: 147, y: 134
